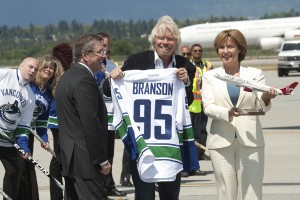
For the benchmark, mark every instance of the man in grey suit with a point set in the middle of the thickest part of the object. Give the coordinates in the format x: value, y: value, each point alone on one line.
x: 82, y: 120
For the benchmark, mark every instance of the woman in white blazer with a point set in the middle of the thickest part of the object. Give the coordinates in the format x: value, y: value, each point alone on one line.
x: 235, y: 141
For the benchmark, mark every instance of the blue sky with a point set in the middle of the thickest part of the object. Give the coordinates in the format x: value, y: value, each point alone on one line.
x: 43, y: 12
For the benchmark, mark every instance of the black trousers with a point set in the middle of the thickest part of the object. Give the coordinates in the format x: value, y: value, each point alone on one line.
x: 14, y: 175
x: 110, y: 183
x: 85, y: 189
x: 29, y: 186
x: 199, y: 121
x: 146, y: 191
x: 126, y: 160
x: 55, y: 169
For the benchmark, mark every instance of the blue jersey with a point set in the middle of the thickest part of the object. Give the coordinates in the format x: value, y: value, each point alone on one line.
x: 41, y: 111
x: 52, y: 120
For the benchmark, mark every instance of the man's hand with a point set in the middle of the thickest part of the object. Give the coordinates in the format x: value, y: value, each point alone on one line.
x: 26, y: 155
x: 116, y: 73
x: 182, y: 75
x: 105, y: 169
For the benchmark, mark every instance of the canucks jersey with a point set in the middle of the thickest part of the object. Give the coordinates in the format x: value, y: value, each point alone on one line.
x: 52, y: 120
x: 41, y: 111
x: 16, y: 107
x: 100, y: 76
x: 152, y: 118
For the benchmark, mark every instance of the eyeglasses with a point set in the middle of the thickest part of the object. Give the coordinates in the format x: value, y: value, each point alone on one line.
x: 186, y: 54
x: 197, y: 50
x: 100, y: 52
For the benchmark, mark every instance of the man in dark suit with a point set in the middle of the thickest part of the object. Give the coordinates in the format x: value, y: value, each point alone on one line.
x: 82, y: 120
x: 108, y: 65
x: 164, y: 40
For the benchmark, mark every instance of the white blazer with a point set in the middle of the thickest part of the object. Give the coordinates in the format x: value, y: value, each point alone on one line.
x: 217, y: 103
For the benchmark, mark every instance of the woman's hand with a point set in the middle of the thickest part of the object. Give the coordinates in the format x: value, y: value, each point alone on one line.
x: 233, y: 112
x: 267, y: 96
x: 45, y: 145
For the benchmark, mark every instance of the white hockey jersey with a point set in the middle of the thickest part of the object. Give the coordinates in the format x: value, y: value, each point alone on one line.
x: 17, y: 102
x: 152, y: 118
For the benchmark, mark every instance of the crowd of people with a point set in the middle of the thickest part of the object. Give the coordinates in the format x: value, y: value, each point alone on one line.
x: 80, y: 95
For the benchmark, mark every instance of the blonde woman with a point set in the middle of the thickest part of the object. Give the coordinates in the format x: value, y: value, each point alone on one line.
x: 43, y: 86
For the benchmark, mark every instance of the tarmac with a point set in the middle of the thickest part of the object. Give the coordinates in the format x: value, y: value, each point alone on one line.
x: 282, y: 164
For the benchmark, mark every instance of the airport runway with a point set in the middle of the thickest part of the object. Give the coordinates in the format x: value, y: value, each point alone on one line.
x: 282, y: 164
x: 265, y: 63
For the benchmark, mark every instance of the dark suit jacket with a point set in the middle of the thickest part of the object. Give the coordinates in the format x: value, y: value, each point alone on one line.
x: 145, y: 60
x: 82, y: 123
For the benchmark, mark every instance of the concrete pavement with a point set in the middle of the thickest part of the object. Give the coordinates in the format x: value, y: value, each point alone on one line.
x: 281, y: 180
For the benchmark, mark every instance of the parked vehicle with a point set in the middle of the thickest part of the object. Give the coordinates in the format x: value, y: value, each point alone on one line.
x: 289, y: 57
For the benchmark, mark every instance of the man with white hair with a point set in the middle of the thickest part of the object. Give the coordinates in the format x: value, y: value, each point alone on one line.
x: 164, y: 40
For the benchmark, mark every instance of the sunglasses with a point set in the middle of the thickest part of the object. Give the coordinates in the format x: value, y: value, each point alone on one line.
x: 197, y: 50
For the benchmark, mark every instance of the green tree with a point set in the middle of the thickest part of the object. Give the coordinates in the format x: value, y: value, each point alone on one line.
x: 122, y: 47
x: 76, y: 27
x: 63, y: 26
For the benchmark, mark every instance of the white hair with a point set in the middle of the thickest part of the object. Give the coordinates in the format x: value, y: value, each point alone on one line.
x: 163, y: 25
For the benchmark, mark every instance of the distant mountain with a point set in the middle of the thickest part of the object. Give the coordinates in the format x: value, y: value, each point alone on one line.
x: 43, y: 12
